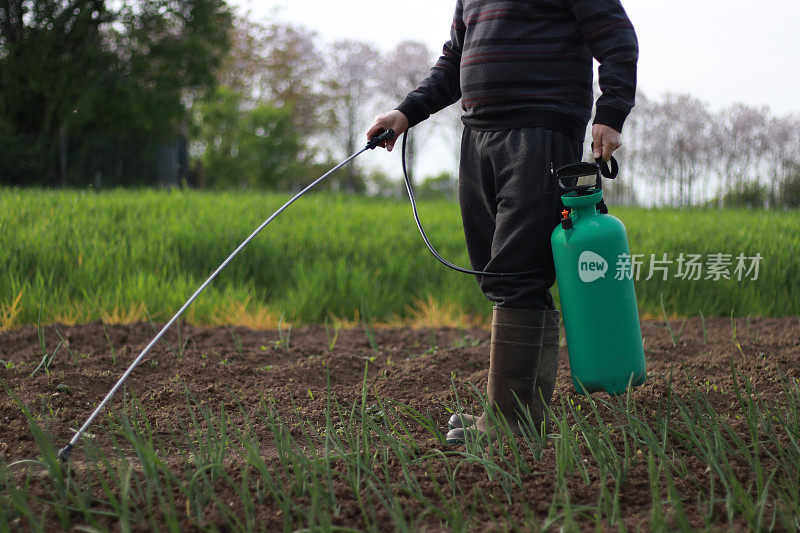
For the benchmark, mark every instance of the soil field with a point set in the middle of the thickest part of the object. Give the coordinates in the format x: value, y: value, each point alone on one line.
x: 311, y: 427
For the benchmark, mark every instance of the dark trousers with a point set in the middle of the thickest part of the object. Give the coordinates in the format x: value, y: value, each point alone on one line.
x: 510, y: 205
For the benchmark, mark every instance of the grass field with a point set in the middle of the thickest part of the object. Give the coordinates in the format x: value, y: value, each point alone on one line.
x: 339, y: 426
x: 126, y: 255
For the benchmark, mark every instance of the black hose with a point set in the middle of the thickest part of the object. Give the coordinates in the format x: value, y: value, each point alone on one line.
x: 441, y: 259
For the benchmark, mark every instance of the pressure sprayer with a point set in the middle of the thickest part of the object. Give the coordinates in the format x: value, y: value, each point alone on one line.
x: 595, y: 286
x: 601, y: 319
x: 608, y: 378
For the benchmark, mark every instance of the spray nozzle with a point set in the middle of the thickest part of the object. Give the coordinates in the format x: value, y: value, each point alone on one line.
x: 566, y: 222
x: 376, y: 141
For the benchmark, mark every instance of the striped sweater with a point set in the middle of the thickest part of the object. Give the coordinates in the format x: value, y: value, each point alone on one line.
x: 518, y: 63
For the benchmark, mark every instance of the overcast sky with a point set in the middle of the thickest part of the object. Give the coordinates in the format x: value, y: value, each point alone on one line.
x: 721, y: 51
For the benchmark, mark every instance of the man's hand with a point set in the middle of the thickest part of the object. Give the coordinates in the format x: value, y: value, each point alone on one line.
x: 606, y: 140
x: 393, y: 120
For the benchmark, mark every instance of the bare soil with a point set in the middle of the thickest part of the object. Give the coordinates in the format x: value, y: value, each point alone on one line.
x: 236, y: 368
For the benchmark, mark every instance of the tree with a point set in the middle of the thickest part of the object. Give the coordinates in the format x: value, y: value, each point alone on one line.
x: 277, y: 63
x: 741, y: 133
x: 790, y: 189
x: 400, y: 72
x: 50, y: 54
x: 294, y: 68
x: 678, y: 141
x: 443, y: 185
x: 90, y: 89
x: 273, y: 72
x: 634, y: 170
x: 782, y: 155
x: 243, y: 147
x: 351, y: 84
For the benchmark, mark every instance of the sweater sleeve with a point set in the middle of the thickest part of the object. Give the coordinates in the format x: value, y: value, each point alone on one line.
x: 611, y: 38
x: 442, y: 85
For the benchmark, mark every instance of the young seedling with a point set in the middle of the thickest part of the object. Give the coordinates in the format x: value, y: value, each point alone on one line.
x: 733, y: 336
x: 705, y: 331
x: 182, y: 343
x: 467, y: 341
x: 47, y: 359
x: 749, y: 333
x: 237, y: 342
x: 332, y: 338
x: 72, y: 354
x: 284, y: 334
x: 110, y: 344
x: 178, y: 353
x: 676, y: 337
x: 369, y: 329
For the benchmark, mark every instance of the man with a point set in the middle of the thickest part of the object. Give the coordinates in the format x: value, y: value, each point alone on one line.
x: 523, y: 71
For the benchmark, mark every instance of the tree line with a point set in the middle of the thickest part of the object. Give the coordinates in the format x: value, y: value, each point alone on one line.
x: 91, y: 89
x: 96, y: 93
x: 677, y: 152
x: 144, y: 92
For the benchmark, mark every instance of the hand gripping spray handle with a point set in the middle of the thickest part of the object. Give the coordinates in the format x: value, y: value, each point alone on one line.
x: 378, y: 140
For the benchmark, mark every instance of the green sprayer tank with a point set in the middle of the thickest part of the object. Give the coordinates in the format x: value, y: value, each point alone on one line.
x: 595, y: 286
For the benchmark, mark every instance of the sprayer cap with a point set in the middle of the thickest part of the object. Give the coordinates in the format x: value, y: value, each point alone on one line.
x: 574, y: 199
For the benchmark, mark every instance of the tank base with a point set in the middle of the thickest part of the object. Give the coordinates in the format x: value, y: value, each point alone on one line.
x: 612, y: 387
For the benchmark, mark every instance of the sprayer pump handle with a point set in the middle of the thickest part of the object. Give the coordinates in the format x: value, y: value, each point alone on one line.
x: 574, y: 171
x: 577, y: 170
x: 381, y: 138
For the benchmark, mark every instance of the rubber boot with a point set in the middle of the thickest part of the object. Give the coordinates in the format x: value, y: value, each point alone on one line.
x: 523, y: 360
x: 547, y: 372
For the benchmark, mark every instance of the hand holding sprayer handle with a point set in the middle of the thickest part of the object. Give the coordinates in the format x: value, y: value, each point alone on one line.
x: 381, y: 138
x: 393, y: 120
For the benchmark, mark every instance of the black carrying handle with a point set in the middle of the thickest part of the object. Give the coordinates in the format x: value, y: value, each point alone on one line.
x: 577, y: 170
x: 381, y: 138
x: 607, y: 173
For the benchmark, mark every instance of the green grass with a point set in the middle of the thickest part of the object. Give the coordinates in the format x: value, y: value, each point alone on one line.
x: 360, y: 467
x: 125, y: 254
